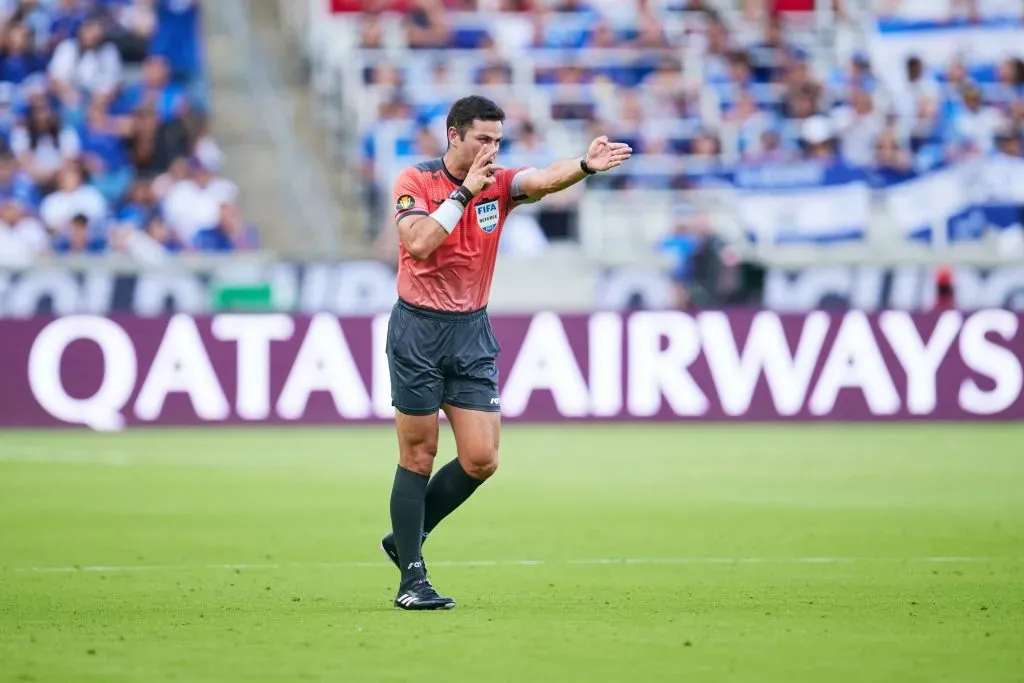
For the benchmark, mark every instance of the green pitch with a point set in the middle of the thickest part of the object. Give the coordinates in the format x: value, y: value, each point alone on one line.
x: 787, y: 553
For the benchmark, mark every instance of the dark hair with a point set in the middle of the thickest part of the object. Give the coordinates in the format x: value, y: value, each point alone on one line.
x: 1017, y: 66
x: 473, y: 108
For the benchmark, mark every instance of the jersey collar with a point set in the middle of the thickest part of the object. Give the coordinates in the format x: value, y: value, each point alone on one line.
x: 448, y: 174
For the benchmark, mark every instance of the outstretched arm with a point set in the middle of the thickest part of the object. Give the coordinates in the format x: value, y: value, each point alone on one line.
x: 601, y: 156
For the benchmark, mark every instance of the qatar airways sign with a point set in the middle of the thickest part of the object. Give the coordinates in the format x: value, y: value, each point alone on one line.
x: 664, y: 365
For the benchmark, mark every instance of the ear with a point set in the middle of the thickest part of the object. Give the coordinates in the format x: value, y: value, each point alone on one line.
x: 453, y: 135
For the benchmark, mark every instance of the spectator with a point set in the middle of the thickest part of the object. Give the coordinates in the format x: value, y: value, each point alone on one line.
x: 15, y: 183
x: 8, y: 113
x: 650, y: 34
x: 72, y: 198
x: 426, y: 25
x: 1010, y: 143
x: 154, y: 90
x: 153, y: 146
x: 818, y: 137
x: 857, y: 73
x: 427, y: 144
x: 972, y: 128
x: 1009, y: 88
x: 602, y: 37
x: 799, y: 82
x: 19, y: 58
x: 858, y: 125
x: 918, y: 104
x: 161, y: 233
x: 231, y: 232
x: 22, y: 238
x: 35, y: 17
x: 139, y: 206
x: 194, y: 204
x: 371, y: 32
x: 800, y: 103
x: 177, y: 172
x: 131, y: 25
x: 890, y: 155
x: 528, y: 140
x: 496, y: 72
x: 750, y: 122
x: 64, y: 21
x: 680, y: 246
x: 42, y: 144
x: 85, y: 63
x: 103, y: 150
x: 177, y: 38
x: 769, y: 55
x: 77, y: 237
x: 714, y: 48
x: 664, y: 85
x: 770, y: 149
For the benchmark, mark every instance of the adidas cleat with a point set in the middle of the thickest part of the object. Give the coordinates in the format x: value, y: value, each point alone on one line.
x: 390, y: 548
x: 422, y: 596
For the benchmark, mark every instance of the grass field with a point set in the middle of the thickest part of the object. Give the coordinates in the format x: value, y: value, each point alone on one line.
x: 633, y: 553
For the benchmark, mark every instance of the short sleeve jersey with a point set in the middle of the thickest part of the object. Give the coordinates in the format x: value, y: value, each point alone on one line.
x: 457, y: 276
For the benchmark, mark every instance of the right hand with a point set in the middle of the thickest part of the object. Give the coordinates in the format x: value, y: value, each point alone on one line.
x: 481, y: 173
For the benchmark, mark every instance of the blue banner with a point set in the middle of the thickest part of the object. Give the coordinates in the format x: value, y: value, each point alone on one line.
x: 803, y: 203
x: 819, y: 204
x: 981, y: 44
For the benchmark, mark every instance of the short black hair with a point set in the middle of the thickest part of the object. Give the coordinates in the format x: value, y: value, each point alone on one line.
x: 473, y: 108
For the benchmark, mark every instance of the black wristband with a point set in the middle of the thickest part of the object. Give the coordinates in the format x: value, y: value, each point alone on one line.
x: 586, y: 169
x: 461, y: 195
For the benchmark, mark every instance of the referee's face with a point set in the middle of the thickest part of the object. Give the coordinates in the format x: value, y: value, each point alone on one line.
x: 482, y: 135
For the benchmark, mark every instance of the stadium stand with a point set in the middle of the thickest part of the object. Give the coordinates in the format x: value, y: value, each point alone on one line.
x: 104, y: 123
x: 770, y: 133
x: 793, y: 132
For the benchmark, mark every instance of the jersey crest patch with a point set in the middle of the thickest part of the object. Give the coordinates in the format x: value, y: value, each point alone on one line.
x: 405, y: 202
x: 487, y: 215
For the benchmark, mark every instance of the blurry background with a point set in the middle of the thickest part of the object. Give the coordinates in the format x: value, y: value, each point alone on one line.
x: 160, y: 155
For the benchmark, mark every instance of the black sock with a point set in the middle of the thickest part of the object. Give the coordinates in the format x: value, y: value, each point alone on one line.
x: 448, y: 489
x: 407, y: 496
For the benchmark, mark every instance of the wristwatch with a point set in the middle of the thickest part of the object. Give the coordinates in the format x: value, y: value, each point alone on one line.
x: 586, y: 169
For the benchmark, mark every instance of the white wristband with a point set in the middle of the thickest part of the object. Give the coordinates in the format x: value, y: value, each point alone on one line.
x: 448, y: 214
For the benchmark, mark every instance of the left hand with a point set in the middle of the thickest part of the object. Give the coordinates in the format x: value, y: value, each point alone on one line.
x: 604, y: 155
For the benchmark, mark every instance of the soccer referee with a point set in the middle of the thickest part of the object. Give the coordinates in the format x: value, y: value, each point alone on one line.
x: 441, y: 350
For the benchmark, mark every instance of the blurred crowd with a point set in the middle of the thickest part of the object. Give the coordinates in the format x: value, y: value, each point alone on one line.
x: 694, y: 89
x: 699, y: 89
x: 104, y: 143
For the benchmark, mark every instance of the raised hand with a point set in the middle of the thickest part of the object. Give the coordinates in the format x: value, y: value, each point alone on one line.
x: 481, y: 173
x: 604, y: 155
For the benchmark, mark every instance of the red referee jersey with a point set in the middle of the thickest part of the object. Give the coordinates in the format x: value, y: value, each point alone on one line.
x: 457, y: 276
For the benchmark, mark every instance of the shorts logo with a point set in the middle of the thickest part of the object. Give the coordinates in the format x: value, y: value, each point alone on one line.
x: 405, y: 202
x: 487, y: 215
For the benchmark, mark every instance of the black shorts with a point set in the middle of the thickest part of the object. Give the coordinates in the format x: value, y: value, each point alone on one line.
x: 439, y: 358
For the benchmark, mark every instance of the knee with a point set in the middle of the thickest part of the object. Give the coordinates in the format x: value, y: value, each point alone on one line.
x: 481, y: 465
x: 419, y: 457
